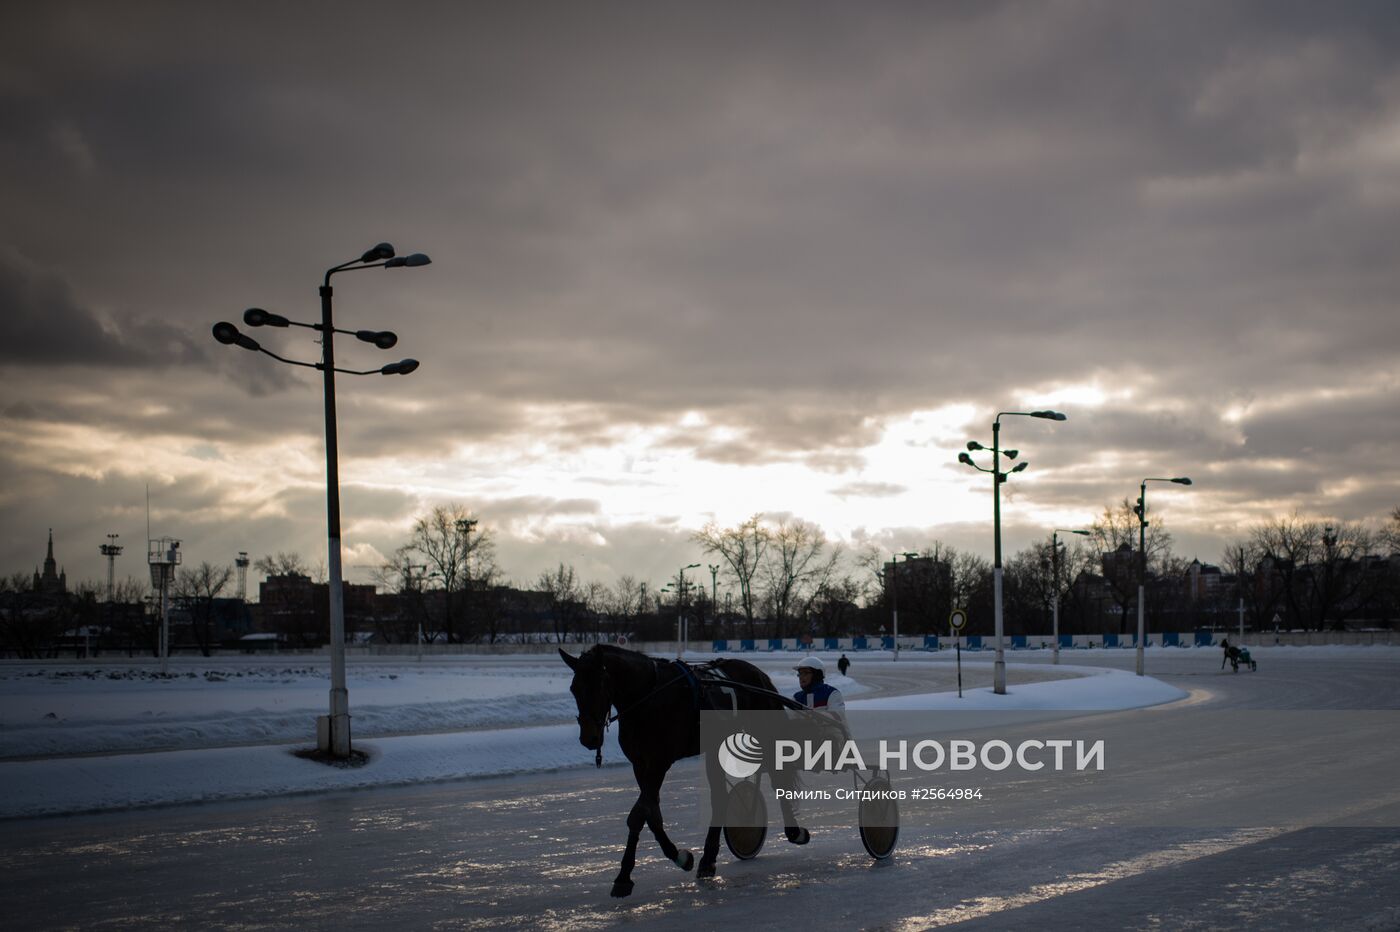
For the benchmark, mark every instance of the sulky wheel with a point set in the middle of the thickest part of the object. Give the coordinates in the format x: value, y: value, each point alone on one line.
x: 746, y: 821
x: 879, y: 822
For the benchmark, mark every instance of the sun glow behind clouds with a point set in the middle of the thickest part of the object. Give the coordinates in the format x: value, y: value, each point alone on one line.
x: 1076, y: 395
x: 659, y: 474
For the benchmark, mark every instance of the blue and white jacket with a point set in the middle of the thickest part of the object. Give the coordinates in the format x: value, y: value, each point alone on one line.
x: 821, y: 696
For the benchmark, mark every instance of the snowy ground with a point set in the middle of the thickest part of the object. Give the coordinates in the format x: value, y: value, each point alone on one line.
x: 83, y: 737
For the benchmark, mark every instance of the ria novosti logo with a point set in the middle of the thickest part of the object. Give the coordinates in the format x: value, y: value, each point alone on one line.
x: 740, y: 755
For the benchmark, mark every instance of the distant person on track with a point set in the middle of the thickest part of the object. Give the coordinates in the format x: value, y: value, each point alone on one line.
x: 843, y: 664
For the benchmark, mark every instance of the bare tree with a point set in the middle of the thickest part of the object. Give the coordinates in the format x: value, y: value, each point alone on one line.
x: 130, y: 624
x: 626, y: 597
x: 1317, y: 572
x: 835, y: 604
x: 798, y: 564
x: 282, y: 564
x: 561, y: 587
x: 1340, y: 586
x: 622, y: 603
x: 451, y: 543
x: 871, y: 559
x: 1389, y: 537
x: 971, y: 586
x: 1115, y: 534
x: 195, y: 591
x: 1285, y: 547
x: 30, y: 623
x: 597, y: 601
x: 742, y: 548
x: 1029, y: 589
x: 404, y: 580
x: 1256, y: 584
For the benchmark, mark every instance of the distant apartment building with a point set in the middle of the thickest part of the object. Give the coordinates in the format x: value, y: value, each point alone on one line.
x: 922, y: 587
x: 299, y: 609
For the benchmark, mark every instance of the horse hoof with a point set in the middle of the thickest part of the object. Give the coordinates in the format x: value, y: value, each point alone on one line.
x: 685, y: 860
x: 704, y: 871
x: 798, y: 836
x: 622, y: 888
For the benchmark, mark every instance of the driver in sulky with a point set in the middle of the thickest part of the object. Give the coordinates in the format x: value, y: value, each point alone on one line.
x: 821, y: 697
x: 816, y: 693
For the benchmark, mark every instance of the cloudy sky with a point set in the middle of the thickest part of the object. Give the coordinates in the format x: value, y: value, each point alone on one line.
x: 693, y: 261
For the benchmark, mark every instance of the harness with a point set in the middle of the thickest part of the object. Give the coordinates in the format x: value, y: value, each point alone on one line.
x: 686, y: 673
x: 708, y: 674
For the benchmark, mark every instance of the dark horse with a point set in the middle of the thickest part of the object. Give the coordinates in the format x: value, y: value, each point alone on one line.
x: 658, y: 706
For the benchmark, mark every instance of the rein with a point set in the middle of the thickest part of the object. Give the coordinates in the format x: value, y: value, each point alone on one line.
x: 686, y: 673
x: 598, y: 754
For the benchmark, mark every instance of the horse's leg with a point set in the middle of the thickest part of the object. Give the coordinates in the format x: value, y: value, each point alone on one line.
x: 622, y: 885
x: 651, y: 799
x: 718, y: 795
x: 711, y: 854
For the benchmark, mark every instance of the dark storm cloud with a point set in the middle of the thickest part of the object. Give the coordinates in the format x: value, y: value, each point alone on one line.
x: 42, y: 323
x: 361, y: 502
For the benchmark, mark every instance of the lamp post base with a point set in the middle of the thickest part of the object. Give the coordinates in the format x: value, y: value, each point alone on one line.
x: 1139, y: 659
x: 1056, y: 659
x: 333, y: 735
x: 999, y: 675
x: 333, y: 731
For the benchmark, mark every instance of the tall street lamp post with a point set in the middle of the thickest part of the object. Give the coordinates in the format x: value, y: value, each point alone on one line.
x: 1055, y: 574
x: 998, y: 477
x: 714, y: 594
x: 464, y: 531
x: 333, y: 730
x: 1141, y: 509
x: 682, y: 628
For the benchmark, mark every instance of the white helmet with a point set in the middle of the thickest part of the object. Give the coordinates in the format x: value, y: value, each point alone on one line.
x: 811, y: 663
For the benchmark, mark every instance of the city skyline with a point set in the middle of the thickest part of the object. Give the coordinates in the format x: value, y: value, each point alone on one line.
x: 693, y: 262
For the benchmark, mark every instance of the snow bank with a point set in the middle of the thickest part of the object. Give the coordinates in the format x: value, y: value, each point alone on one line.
x: 1097, y: 689
x: 122, y: 781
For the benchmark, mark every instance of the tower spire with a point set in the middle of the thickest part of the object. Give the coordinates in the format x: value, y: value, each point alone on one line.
x: 51, y: 582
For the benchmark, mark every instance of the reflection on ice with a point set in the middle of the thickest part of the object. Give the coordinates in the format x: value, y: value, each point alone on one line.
x: 1168, y: 856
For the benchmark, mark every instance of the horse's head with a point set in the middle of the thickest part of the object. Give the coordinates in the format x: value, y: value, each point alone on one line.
x: 592, y: 695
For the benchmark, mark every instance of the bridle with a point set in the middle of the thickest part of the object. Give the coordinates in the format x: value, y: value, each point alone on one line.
x: 604, y: 684
x: 601, y: 724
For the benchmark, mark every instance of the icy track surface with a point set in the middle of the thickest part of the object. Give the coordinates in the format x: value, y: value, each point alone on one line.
x: 539, y: 850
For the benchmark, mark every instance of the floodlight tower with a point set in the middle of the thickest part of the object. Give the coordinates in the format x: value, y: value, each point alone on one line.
x: 242, y: 564
x: 111, y: 550
x: 163, y: 555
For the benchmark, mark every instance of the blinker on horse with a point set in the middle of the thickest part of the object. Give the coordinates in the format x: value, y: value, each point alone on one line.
x: 658, y: 706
